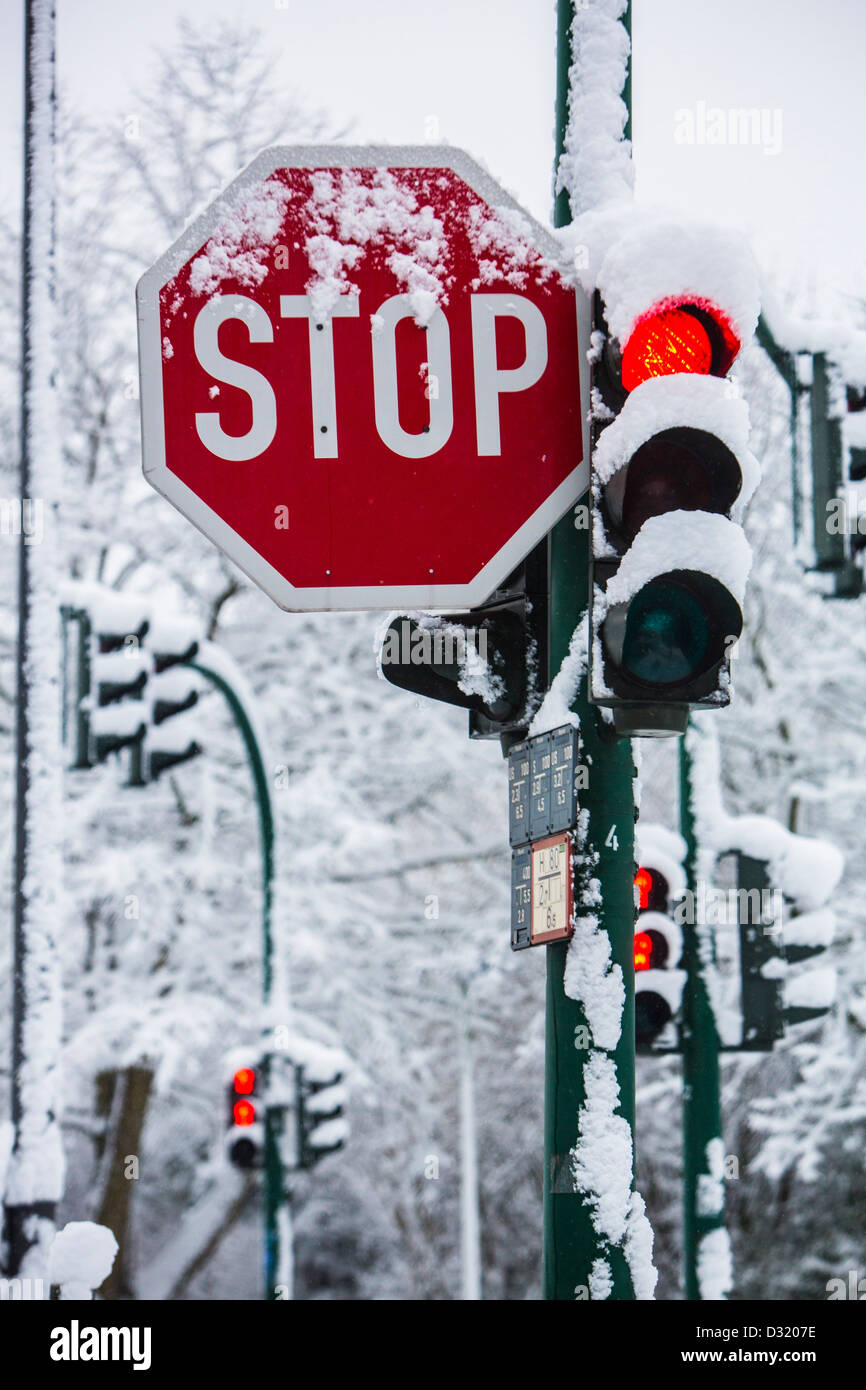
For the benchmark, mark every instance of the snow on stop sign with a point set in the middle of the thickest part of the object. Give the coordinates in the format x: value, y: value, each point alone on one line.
x: 363, y: 376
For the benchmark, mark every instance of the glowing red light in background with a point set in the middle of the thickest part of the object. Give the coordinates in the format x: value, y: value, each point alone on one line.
x: 643, y: 950
x: 643, y: 882
x: 245, y: 1081
x: 244, y: 1112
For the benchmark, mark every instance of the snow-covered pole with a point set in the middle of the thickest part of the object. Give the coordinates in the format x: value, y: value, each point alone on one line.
x: 706, y: 1250
x: 596, y: 1239
x: 35, y: 1176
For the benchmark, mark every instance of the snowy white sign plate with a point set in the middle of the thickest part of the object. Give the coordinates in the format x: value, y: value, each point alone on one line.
x: 363, y: 376
x: 551, y: 890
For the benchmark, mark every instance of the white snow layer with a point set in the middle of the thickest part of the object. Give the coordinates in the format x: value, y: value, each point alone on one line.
x: 814, y: 989
x: 601, y: 1164
x: 844, y: 342
x: 668, y: 983
x: 602, y: 1158
x: 639, y: 1250
x: 700, y: 541
x: 241, y: 246
x: 660, y: 261
x: 600, y: 1281
x: 816, y: 928
x: 81, y: 1258
x: 806, y: 870
x: 668, y: 402
x: 711, y: 1191
x: 660, y: 839
x: 114, y: 614
x: 555, y: 709
x: 596, y: 166
x: 664, y: 850
x: 348, y: 213
x: 715, y: 1266
x: 595, y: 982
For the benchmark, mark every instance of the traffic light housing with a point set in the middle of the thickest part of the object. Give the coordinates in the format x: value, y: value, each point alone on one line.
x: 172, y: 691
x: 659, y: 882
x: 775, y: 934
x: 670, y: 465
x: 658, y: 983
x: 117, y: 669
x: 125, y: 678
x: 489, y: 660
x: 245, y: 1132
x: 321, y: 1102
x: 855, y: 432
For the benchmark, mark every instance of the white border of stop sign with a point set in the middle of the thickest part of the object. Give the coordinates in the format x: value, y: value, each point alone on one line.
x: 424, y: 596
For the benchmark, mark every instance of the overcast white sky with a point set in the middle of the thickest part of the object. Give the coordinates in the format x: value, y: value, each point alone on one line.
x: 485, y: 70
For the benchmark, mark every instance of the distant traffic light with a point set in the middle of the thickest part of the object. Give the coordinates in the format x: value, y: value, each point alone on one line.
x: 172, y: 691
x: 658, y: 940
x: 117, y: 671
x: 670, y: 460
x: 245, y: 1117
x: 658, y: 946
x: 321, y: 1103
x: 124, y: 681
x: 775, y: 935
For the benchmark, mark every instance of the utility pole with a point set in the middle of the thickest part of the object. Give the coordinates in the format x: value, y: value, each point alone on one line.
x: 576, y: 1249
x: 35, y: 1177
x: 703, y: 1152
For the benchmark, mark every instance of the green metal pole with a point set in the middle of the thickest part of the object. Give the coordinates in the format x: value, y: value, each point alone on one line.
x: 572, y: 1242
x: 703, y: 1155
x: 263, y: 803
x: 277, y: 1195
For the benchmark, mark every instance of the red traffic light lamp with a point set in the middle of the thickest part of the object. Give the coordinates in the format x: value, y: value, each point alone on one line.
x: 651, y: 950
x: 692, y: 336
x: 244, y: 1081
x: 245, y: 1131
x: 652, y: 891
x: 643, y: 950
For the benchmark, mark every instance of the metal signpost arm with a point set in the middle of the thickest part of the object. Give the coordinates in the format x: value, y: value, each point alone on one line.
x: 574, y: 1246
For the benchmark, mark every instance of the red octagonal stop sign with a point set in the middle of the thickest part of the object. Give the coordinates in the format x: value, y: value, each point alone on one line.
x: 363, y: 375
